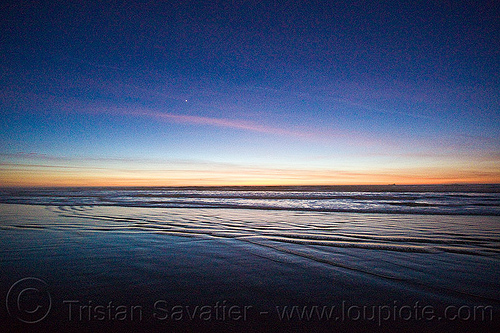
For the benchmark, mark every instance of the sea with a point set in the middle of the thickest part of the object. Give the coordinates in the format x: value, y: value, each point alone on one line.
x: 391, y: 258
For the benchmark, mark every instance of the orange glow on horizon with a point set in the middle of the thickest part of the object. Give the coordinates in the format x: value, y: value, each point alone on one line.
x: 57, y: 177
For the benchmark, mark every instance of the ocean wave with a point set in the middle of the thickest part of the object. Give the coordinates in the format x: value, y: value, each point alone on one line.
x: 485, y: 202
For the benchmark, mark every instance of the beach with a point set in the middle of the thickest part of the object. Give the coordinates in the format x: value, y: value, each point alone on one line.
x: 78, y: 266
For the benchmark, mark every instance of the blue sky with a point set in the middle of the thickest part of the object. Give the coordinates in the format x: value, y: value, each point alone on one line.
x: 249, y: 92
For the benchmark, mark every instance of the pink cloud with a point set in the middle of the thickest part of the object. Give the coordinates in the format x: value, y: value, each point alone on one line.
x: 220, y: 122
x: 73, y: 105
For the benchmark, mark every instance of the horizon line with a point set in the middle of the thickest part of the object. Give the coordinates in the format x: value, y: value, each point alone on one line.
x: 242, y: 186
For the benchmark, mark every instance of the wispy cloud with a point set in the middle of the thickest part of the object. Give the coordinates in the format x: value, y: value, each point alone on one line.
x: 379, y: 110
x: 16, y: 157
x: 219, y: 122
x: 32, y: 169
x: 84, y: 107
x: 361, y: 100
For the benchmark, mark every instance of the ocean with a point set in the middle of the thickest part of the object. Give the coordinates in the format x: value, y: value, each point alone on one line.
x: 290, y: 258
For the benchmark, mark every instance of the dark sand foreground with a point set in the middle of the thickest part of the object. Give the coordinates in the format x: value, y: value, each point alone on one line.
x: 72, y: 274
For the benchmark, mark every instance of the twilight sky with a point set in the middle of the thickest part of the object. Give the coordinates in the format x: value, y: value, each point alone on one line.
x: 249, y: 92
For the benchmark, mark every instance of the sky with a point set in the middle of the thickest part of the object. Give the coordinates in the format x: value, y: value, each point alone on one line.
x: 184, y: 93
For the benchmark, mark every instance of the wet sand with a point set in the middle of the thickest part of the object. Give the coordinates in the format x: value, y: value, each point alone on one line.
x: 101, y: 278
